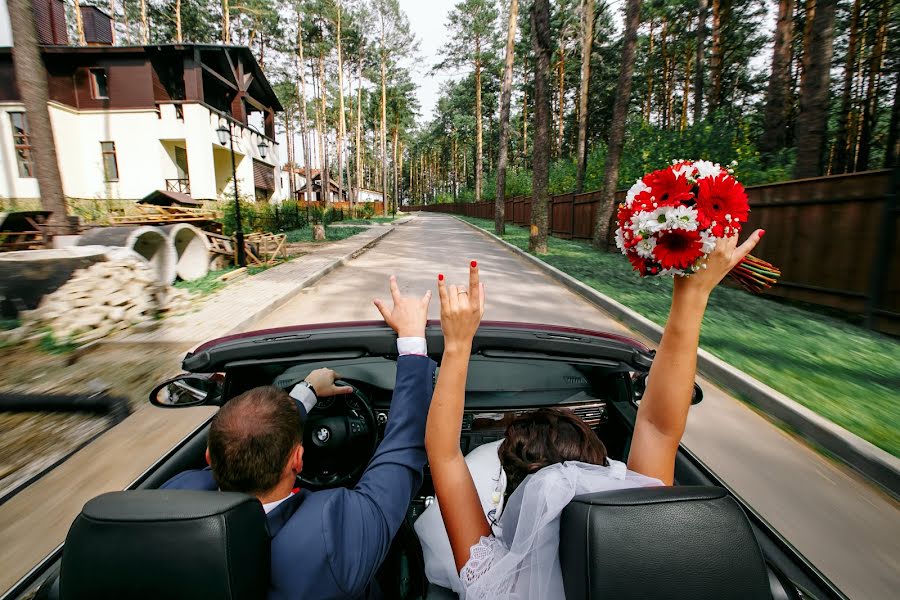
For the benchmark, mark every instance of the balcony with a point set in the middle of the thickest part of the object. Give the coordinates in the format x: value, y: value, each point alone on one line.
x: 179, y: 185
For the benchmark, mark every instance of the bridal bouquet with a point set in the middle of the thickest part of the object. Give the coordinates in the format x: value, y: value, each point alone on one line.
x: 672, y: 218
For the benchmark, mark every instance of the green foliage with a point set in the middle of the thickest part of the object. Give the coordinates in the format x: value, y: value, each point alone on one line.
x: 800, y: 353
x: 365, y: 211
x: 205, y: 285
x: 49, y: 344
x: 264, y: 217
x: 332, y: 234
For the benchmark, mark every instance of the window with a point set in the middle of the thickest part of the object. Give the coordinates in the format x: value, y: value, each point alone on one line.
x: 99, y: 84
x: 110, y: 168
x: 22, y: 144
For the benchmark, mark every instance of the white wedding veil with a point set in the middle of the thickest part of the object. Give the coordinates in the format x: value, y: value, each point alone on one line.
x: 524, y: 561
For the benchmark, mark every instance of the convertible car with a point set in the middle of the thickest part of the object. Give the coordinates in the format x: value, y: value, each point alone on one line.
x: 695, y: 540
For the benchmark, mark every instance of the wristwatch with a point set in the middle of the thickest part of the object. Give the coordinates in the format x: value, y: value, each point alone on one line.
x: 310, y: 386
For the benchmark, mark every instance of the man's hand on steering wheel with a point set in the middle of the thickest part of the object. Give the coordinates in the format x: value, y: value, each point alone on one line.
x: 322, y: 383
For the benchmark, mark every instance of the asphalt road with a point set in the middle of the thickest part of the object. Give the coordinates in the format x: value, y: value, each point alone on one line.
x: 844, y: 526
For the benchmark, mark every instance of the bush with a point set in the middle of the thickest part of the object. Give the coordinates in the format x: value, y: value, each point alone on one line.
x: 365, y: 211
x: 248, y: 217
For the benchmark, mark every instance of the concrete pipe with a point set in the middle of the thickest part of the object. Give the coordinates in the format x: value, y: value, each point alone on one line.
x: 27, y: 275
x: 191, y: 250
x: 150, y: 242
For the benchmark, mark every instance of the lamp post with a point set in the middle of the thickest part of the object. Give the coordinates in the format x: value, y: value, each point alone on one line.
x: 226, y: 132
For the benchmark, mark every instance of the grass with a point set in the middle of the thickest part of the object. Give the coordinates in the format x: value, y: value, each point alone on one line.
x: 847, y: 374
x: 332, y: 234
x: 205, y: 285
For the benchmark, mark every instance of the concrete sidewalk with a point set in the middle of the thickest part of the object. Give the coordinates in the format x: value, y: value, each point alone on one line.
x: 35, y: 521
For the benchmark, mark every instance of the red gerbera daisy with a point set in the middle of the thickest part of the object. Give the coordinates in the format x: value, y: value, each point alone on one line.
x: 677, y: 248
x: 718, y: 199
x: 667, y: 189
x: 638, y: 262
x: 643, y: 201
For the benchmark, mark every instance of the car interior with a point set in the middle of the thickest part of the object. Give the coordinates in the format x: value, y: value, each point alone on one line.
x: 693, y: 540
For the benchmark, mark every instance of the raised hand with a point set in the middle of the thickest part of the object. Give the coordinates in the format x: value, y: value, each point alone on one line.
x: 720, y: 261
x: 408, y: 315
x: 461, y: 310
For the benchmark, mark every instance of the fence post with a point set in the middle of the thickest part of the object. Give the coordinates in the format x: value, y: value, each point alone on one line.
x: 882, y: 255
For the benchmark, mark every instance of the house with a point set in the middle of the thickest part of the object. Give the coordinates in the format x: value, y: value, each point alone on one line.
x: 315, y: 175
x: 130, y: 120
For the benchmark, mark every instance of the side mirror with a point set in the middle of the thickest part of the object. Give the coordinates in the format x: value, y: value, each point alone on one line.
x: 639, y: 386
x: 187, y: 390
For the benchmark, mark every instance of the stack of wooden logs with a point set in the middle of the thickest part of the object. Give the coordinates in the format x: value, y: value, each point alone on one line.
x: 104, y: 298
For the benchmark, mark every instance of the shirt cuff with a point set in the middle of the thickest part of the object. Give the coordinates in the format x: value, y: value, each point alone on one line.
x: 305, y: 396
x: 412, y: 345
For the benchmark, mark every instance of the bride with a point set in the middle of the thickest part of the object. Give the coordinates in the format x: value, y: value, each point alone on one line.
x: 550, y: 455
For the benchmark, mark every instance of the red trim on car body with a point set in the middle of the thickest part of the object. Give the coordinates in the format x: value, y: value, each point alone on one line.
x: 432, y: 324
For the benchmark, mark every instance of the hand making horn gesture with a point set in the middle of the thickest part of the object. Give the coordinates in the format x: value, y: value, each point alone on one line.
x: 461, y: 310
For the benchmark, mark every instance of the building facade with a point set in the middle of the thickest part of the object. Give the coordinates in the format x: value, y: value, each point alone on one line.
x: 130, y: 120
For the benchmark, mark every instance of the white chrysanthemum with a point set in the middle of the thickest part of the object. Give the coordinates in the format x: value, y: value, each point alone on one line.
x: 709, y: 242
x: 648, y: 221
x: 679, y: 217
x: 706, y: 168
x: 620, y: 240
x: 636, y: 189
x: 645, y: 247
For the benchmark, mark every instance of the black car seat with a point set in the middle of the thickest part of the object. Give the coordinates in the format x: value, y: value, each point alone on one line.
x: 690, y: 543
x: 173, y: 544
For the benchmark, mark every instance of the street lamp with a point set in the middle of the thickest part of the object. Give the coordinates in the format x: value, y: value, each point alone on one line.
x: 225, y: 133
x: 263, y: 148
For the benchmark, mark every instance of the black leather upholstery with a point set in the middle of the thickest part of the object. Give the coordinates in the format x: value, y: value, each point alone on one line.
x: 153, y: 544
x: 669, y: 542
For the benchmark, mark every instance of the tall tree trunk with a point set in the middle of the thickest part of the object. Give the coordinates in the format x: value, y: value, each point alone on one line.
x: 587, y: 44
x: 226, y: 23
x: 561, y: 100
x: 686, y: 90
x: 716, y: 58
x: 342, y: 126
x: 842, y: 140
x: 702, y: 9
x: 892, y: 150
x: 31, y: 77
x: 145, y: 25
x: 479, y: 140
x: 383, y: 134
x: 505, y: 94
x: 809, y: 7
x: 664, y: 47
x: 870, y: 108
x: 524, y: 127
x: 648, y: 101
x: 289, y: 135
x: 540, y: 199
x: 394, y: 147
x: 359, y: 148
x: 307, y: 153
x: 617, y: 127
x: 456, y: 168
x: 812, y: 122
x: 79, y: 24
x: 178, y: 38
x: 323, y: 108
x: 774, y: 135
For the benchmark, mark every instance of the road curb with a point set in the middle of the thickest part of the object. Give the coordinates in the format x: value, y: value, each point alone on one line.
x: 877, y: 465
x: 279, y: 302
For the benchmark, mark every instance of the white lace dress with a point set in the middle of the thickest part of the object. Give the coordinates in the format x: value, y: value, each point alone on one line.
x: 522, y: 561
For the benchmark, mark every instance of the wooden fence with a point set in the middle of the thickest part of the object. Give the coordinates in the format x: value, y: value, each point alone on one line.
x: 836, y: 239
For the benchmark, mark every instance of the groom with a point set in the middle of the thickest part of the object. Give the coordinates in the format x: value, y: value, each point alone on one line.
x: 330, y: 543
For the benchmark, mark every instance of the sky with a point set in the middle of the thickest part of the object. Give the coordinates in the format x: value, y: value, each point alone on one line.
x: 428, y: 19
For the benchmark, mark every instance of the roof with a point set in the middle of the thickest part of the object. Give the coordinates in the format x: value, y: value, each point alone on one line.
x: 164, y: 198
x: 243, y: 52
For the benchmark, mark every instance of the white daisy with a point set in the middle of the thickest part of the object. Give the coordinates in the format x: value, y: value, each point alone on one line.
x: 645, y: 247
x: 706, y: 168
x: 680, y: 217
x: 636, y: 189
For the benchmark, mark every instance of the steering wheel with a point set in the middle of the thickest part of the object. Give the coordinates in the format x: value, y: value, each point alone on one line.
x: 339, y: 438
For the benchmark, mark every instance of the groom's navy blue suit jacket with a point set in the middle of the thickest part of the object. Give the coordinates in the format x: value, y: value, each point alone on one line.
x: 330, y: 543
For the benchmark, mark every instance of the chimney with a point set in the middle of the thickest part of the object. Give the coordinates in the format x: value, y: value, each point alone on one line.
x: 97, y: 26
x: 50, y: 22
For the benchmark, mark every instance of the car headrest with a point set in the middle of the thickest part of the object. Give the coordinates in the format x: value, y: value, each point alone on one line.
x: 167, y: 544
x: 664, y: 542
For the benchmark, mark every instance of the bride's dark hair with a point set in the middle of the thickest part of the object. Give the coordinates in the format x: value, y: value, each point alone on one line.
x: 544, y: 437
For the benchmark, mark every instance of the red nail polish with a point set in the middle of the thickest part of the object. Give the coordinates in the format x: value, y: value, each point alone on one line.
x: 474, y: 263
x: 762, y: 233
x: 440, y: 276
